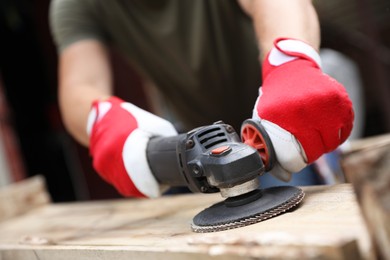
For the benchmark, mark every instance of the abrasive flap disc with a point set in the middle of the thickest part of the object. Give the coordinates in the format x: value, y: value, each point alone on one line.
x: 241, y: 211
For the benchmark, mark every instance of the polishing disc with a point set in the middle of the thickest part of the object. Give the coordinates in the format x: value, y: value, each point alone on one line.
x: 269, y: 202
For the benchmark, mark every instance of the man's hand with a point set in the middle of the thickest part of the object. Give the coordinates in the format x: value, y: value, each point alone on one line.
x: 305, y: 112
x: 119, y: 133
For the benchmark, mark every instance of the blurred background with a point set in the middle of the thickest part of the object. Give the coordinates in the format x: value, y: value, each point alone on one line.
x: 355, y: 37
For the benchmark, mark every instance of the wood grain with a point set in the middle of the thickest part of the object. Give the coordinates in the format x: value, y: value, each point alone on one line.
x: 327, y: 225
x: 20, y: 197
x: 367, y: 166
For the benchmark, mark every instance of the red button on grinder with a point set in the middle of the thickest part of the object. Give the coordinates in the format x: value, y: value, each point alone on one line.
x: 220, y: 150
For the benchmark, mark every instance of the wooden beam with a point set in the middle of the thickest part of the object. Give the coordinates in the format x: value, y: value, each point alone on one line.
x: 367, y: 166
x: 21, y: 197
x: 327, y: 225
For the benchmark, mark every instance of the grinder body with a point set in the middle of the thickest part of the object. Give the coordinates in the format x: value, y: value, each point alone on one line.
x: 207, y: 159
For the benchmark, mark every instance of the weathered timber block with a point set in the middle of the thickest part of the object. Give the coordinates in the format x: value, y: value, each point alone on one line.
x: 367, y: 167
x: 23, y: 196
x: 327, y: 225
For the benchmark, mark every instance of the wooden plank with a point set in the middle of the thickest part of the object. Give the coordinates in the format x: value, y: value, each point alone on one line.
x: 368, y: 143
x: 368, y: 168
x: 20, y: 197
x: 328, y: 225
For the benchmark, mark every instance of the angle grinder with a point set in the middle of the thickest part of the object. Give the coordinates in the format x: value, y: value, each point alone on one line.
x: 212, y: 159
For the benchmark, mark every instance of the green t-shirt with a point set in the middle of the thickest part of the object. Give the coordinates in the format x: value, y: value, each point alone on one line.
x: 201, y: 54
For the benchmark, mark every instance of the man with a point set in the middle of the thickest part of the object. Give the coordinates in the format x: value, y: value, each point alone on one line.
x: 204, y: 56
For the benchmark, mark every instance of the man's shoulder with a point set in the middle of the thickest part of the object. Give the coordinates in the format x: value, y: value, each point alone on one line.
x: 74, y: 20
x: 72, y: 3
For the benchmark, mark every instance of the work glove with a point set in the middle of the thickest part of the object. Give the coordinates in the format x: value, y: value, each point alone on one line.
x: 119, y: 133
x: 305, y: 112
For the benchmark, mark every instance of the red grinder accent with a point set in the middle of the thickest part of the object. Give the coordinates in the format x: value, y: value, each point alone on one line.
x: 254, y: 135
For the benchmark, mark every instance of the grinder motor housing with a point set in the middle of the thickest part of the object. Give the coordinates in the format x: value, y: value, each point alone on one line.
x: 207, y: 159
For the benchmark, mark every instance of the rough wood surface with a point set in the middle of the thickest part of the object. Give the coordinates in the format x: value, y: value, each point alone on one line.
x: 20, y: 197
x: 369, y: 143
x: 367, y: 166
x: 327, y: 225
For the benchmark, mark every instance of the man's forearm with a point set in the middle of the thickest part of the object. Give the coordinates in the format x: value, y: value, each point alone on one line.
x: 84, y: 77
x: 282, y: 18
x: 75, y: 107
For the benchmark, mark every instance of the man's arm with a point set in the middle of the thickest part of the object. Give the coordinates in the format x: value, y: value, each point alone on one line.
x: 280, y: 18
x: 84, y: 76
x: 305, y: 112
x: 118, y: 132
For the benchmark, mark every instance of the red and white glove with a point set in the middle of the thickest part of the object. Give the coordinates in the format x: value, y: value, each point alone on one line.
x: 119, y: 133
x: 305, y: 112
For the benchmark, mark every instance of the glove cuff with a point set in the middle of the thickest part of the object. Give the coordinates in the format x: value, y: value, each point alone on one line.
x: 286, y: 50
x: 99, y: 110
